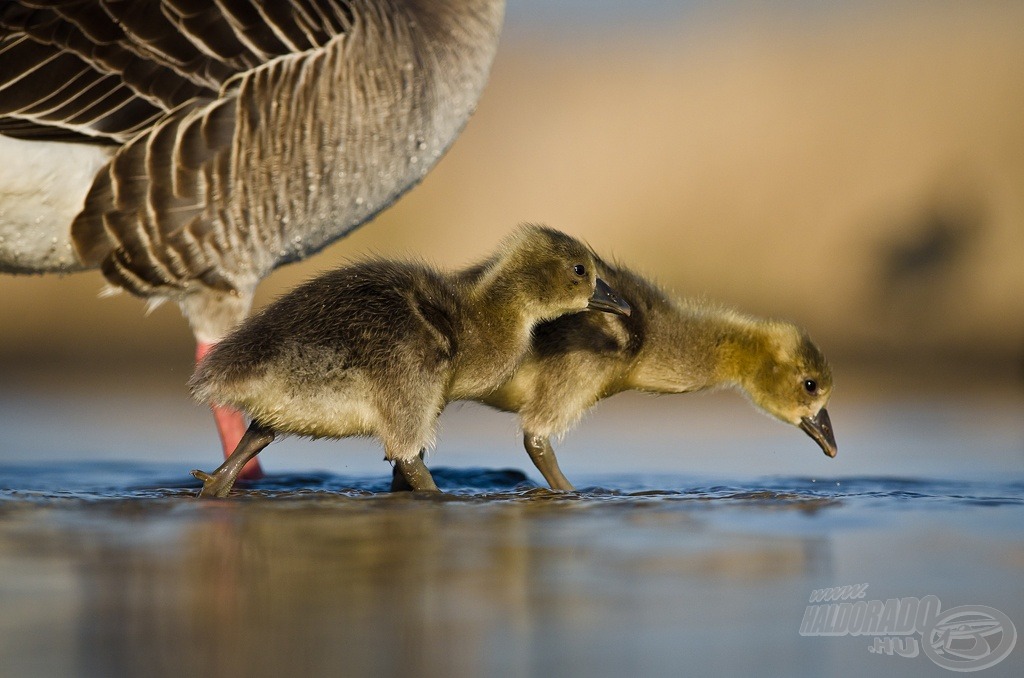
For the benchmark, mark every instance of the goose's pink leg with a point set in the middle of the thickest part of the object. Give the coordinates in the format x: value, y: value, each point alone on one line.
x: 231, y: 427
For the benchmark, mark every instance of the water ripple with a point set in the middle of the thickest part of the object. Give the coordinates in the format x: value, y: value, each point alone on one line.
x: 38, y: 484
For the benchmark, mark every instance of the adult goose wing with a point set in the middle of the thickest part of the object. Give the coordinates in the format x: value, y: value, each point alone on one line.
x: 237, y: 134
x: 104, y: 70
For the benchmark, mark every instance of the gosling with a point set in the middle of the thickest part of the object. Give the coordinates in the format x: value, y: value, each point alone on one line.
x: 379, y: 348
x: 664, y: 346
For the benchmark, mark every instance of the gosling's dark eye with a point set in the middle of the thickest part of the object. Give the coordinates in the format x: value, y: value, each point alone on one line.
x: 810, y: 386
x: 580, y: 269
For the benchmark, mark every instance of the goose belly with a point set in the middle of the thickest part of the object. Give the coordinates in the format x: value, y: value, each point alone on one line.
x: 43, y: 185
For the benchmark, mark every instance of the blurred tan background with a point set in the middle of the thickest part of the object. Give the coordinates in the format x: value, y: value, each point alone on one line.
x: 857, y: 167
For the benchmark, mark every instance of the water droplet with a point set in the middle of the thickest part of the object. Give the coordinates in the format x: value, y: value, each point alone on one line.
x: 413, y: 159
x: 421, y: 145
x: 359, y: 201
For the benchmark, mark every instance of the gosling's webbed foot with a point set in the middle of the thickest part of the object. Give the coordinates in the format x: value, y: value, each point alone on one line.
x: 417, y: 476
x: 398, y: 481
x: 218, y: 483
x: 214, y: 485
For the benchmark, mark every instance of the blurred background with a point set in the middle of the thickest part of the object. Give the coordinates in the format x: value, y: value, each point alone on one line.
x: 855, y: 166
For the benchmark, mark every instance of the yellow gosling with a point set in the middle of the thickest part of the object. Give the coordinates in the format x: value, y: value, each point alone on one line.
x: 665, y: 345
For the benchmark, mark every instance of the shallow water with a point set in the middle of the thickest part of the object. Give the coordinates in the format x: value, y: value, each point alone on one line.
x: 692, y: 548
x: 114, y: 569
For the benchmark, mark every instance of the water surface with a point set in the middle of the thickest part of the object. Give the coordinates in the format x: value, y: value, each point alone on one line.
x: 115, y: 569
x: 697, y: 536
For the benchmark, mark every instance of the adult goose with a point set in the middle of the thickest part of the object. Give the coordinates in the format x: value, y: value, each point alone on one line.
x: 187, y: 148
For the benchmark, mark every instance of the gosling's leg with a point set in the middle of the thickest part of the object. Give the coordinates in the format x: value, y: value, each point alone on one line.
x: 218, y: 483
x: 398, y: 481
x: 543, y: 456
x: 230, y: 424
x: 415, y: 473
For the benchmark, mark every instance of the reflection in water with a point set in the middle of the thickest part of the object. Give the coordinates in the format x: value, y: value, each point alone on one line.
x: 323, y: 586
x: 510, y: 584
x: 288, y: 577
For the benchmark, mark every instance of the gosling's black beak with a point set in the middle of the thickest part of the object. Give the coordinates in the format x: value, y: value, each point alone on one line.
x: 819, y: 427
x: 607, y: 299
